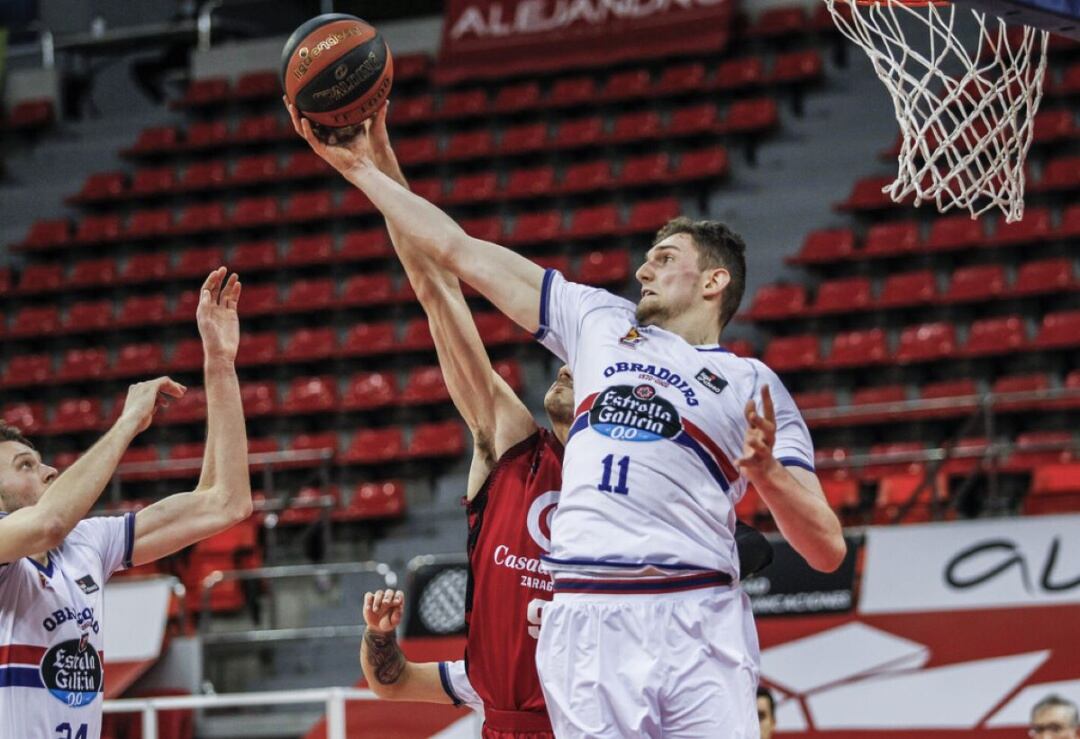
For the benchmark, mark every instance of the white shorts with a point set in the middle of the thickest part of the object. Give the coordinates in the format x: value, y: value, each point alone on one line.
x: 674, y: 665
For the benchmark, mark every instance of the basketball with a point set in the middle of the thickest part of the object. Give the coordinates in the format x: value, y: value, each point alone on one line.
x: 337, y: 70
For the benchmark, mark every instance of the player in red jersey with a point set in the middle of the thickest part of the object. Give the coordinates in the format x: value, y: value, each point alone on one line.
x: 513, y: 484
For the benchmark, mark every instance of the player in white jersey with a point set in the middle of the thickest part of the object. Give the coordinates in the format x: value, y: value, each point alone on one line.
x: 54, y: 565
x: 667, y: 438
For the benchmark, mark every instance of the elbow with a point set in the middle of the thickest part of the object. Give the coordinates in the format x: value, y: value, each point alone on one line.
x: 832, y: 555
x: 241, y: 510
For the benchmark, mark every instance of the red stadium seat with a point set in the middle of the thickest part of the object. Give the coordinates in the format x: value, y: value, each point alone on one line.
x: 571, y: 92
x: 47, y: 233
x: 908, y: 288
x: 417, y: 150
x: 34, y: 321
x: 255, y: 211
x: 204, y: 176
x: 102, y: 186
x: 309, y: 505
x: 611, y: 267
x: 429, y: 189
x: 360, y: 246
x: 534, y: 228
x: 187, y: 303
x: 310, y: 395
x: 793, y: 353
x: 207, y: 134
x: 259, y: 300
x: 473, y: 188
x: 798, y: 67
x: 313, y: 249
x: 579, y: 132
x: 424, y: 385
x: 558, y: 262
x: 134, y: 360
x: 412, y: 66
x: 201, y: 217
x: 955, y: 232
x: 187, y: 355
x: 858, y: 348
x: 323, y: 441
x: 824, y: 246
x: 149, y: 223
x: 27, y: 369
x: 701, y: 164
x: 876, y: 396
x: 1059, y: 330
x: 154, y: 181
x: 524, y: 138
x: 495, y: 329
x: 367, y: 339
x: 516, y: 97
x: 309, y: 344
x: 469, y: 145
x: 977, y: 283
x: 145, y: 267
x: 265, y: 127
x: 191, y: 408
x: 375, y: 446
x: 95, y: 229
x: 892, y: 239
x: 636, y: 126
x: 257, y: 85
x: 154, y: 140
x: 198, y: 261
x: 694, y: 120
x: 368, y: 390
x: 142, y: 310
x: 367, y: 289
x: 27, y: 417
x: 1026, y: 383
x: 650, y: 215
x: 83, y: 364
x: 646, y: 169
x: 815, y: 399
x: 593, y: 222
x: 1034, y: 227
x: 678, y: 79
x: 259, y: 399
x: 203, y: 92
x: 256, y: 349
x: 779, y: 21
x: 867, y: 194
x: 440, y: 439
x: 416, y: 336
x: 374, y: 500
x: 587, y: 177
x: 1035, y: 449
x: 92, y: 315
x: 510, y: 371
x: 464, y: 104
x: 93, y: 273
x: 316, y: 205
x: 750, y: 116
x: 304, y: 164
x: 773, y: 302
x: 488, y: 228
x: 412, y: 110
x: 255, y: 168
x: 38, y: 278
x: 531, y: 183
x: 737, y: 74
x: 1062, y: 173
x: 926, y: 342
x: 254, y: 256
x: 632, y: 84
x: 1070, y: 222
x: 1045, y: 276
x: 74, y: 415
x: 1055, y: 488
x: 309, y: 295
x: 846, y: 294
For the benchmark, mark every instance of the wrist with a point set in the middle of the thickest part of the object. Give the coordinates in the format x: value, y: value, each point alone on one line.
x: 219, y: 363
x: 765, y: 476
x: 127, y: 425
x: 375, y: 632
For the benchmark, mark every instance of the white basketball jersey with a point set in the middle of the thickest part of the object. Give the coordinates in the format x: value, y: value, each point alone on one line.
x: 649, y: 476
x: 51, y: 635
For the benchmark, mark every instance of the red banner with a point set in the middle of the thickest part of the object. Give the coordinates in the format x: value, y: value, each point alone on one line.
x: 504, y: 38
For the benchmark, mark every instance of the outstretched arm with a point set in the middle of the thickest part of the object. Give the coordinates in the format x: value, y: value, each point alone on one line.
x: 44, y: 525
x: 222, y: 497
x: 495, y: 415
x: 389, y: 674
x: 511, y: 282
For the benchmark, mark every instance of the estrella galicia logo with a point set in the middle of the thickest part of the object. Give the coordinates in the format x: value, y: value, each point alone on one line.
x: 634, y: 414
x: 87, y: 584
x: 711, y: 380
x: 72, y: 672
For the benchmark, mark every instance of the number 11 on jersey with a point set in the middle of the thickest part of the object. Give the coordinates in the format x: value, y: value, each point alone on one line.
x: 623, y: 466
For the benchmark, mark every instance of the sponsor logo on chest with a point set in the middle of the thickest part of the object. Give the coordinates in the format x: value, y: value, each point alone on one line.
x: 662, y: 376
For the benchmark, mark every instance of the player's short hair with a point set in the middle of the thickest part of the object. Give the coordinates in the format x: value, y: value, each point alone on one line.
x: 718, y: 246
x: 763, y: 692
x: 10, y: 433
x: 1055, y: 701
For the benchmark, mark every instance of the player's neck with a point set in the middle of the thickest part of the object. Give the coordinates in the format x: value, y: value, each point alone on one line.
x: 42, y: 559
x: 694, y: 327
x: 561, y: 431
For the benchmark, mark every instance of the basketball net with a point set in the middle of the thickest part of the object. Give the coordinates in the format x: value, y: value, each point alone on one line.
x: 966, y: 117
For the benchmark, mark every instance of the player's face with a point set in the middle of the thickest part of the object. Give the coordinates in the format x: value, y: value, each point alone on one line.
x: 670, y: 278
x: 1054, y: 722
x: 765, y: 718
x: 23, y: 476
x: 559, y: 399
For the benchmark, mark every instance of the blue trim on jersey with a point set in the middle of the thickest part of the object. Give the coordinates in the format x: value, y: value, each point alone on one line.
x: 582, y: 422
x: 684, y: 439
x: 717, y: 348
x: 444, y: 678
x: 707, y: 579
x: 48, y: 569
x: 129, y: 537
x: 606, y: 563
x: 20, y: 677
x: 545, y: 291
x: 795, y: 462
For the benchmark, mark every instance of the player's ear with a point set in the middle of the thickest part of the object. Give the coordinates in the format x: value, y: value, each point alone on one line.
x: 715, y: 280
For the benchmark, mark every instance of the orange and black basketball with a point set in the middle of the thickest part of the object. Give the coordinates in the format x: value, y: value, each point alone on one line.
x: 337, y: 70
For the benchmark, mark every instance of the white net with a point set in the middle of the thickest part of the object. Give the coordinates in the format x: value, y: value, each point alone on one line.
x: 965, y: 107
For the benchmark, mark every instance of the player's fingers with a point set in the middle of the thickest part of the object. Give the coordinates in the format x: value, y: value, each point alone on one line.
x: 368, y: 598
x: 293, y: 115
x: 211, y: 278
x: 399, y: 597
x: 227, y: 290
x: 378, y: 604
x: 234, y: 299
x: 767, y: 404
x: 750, y: 410
x: 170, y: 387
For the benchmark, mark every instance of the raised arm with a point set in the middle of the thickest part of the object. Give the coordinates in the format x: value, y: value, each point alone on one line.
x: 495, y: 415
x: 222, y: 497
x: 388, y: 673
x: 511, y: 282
x: 67, y: 499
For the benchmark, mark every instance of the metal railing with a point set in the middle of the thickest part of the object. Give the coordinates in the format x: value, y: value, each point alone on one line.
x: 334, y: 700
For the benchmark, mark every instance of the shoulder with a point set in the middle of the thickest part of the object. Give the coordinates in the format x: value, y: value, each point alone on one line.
x: 557, y: 287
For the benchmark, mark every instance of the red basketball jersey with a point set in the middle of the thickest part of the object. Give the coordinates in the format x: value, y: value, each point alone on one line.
x: 509, y: 528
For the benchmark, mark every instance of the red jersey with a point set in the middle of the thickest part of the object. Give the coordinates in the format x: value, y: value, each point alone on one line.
x: 509, y: 528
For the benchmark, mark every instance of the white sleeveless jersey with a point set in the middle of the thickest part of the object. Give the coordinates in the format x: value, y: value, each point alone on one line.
x: 51, y: 635
x: 649, y: 477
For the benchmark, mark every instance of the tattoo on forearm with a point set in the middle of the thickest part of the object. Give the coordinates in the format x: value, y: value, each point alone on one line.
x: 385, y: 656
